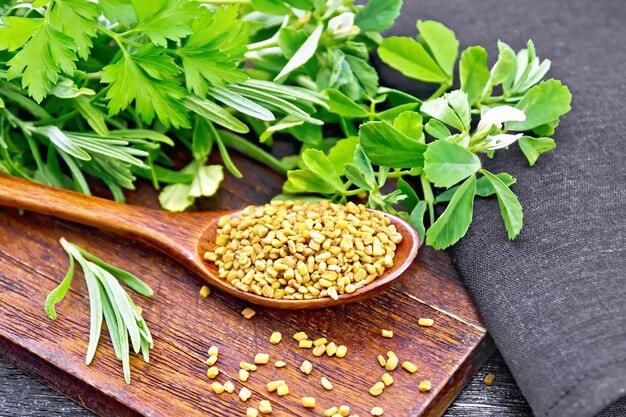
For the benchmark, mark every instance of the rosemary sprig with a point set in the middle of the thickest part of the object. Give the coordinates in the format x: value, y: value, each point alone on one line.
x: 108, y: 300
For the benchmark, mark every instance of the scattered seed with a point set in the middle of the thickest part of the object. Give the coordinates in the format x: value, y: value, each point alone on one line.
x: 328, y: 386
x: 265, y: 407
x: 248, y: 313
x: 377, y: 411
x: 273, y: 385
x: 247, y: 366
x: 282, y: 390
x: 300, y: 336
x: 252, y: 412
x: 387, y: 333
x: 387, y: 379
x: 331, y: 411
x: 344, y: 411
x: 306, y: 367
x: 275, y: 338
x: 217, y: 387
x: 319, y: 350
x: 261, y: 358
x: 205, y: 291
x: 489, y: 379
x: 392, y: 361
x: 425, y: 386
x: 331, y: 349
x: 320, y: 341
x: 280, y: 364
x: 245, y: 394
x: 426, y: 322
x: 377, y: 389
x: 308, y: 402
x: 212, y: 372
x: 305, y: 344
x: 213, y: 351
x: 229, y: 387
x: 382, y: 361
x: 409, y: 366
x: 341, y: 351
x: 211, y: 361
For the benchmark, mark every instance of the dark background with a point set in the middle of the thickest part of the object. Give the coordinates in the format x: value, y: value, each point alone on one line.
x: 584, y: 39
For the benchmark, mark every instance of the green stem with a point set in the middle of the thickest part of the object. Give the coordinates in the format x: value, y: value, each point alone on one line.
x: 398, y: 174
x: 248, y: 148
x: 442, y: 89
x: 428, y: 197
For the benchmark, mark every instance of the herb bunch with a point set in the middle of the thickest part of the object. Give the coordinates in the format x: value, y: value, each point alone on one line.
x: 109, y: 301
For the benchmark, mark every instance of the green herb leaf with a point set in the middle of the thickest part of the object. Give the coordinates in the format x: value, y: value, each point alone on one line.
x: 483, y: 188
x: 542, y: 104
x: 342, y: 153
x: 161, y: 20
x: 378, y: 15
x: 442, y: 44
x: 316, y: 161
x: 213, y: 112
x: 456, y: 219
x: 510, y: 207
x: 386, y: 146
x: 474, y: 73
x: 411, y: 199
x: 175, y: 197
x: 416, y: 218
x: 303, y: 54
x: 59, y: 292
x: 446, y: 164
x: 533, y: 147
x: 409, y: 123
x: 207, y: 181
x: 505, y: 65
x: 342, y: 105
x: 411, y: 59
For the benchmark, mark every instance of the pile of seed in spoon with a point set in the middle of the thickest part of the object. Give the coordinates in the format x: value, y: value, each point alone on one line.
x: 300, y: 251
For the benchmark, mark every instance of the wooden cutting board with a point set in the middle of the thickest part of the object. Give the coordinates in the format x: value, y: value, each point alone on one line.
x: 184, y: 325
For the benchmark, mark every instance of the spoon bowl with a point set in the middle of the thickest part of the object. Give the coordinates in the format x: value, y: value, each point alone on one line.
x: 184, y: 236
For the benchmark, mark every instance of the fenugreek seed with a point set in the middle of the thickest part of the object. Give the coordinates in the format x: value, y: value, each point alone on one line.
x: 350, y: 288
x: 205, y: 291
x: 282, y: 390
x: 211, y: 361
x: 265, y: 407
x: 331, y: 349
x: 273, y: 385
x: 489, y: 379
x: 229, y: 387
x: 245, y: 394
x: 326, y: 384
x: 344, y: 411
x: 243, y: 375
x: 305, y: 344
x: 382, y: 361
x: 212, y: 372
x: 341, y: 351
x: 425, y: 386
x: 409, y: 366
x: 426, y: 322
x: 213, y: 351
x: 387, y: 333
x: 275, y: 338
x: 248, y: 313
x: 252, y: 412
x: 280, y: 364
x: 247, y: 366
x: 308, y: 402
x: 217, y: 387
x: 392, y: 362
x: 210, y: 256
x: 377, y: 389
x: 306, y: 367
x: 331, y: 411
x: 377, y: 411
x: 320, y: 341
x: 319, y: 350
x: 387, y: 379
x: 261, y: 358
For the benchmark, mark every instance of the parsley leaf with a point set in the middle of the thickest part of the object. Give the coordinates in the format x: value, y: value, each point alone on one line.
x: 77, y: 19
x: 161, y: 20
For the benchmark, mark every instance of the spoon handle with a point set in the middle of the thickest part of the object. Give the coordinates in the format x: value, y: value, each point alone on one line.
x: 119, y: 218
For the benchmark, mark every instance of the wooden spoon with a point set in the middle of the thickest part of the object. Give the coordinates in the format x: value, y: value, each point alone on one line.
x: 182, y: 236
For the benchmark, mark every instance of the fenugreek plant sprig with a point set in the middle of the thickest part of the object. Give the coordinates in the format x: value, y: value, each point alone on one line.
x: 110, y: 301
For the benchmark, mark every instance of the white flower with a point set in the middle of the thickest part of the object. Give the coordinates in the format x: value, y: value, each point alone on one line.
x: 501, y: 141
x: 342, y: 25
x: 498, y: 115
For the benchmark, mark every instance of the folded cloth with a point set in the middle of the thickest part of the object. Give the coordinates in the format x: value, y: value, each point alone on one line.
x: 554, y: 299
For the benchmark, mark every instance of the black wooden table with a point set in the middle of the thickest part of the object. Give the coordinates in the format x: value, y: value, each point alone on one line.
x: 22, y: 396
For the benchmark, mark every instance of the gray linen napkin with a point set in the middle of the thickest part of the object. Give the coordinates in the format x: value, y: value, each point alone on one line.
x: 555, y: 298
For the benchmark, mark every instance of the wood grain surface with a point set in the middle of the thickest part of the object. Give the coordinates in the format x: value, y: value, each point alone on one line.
x: 185, y: 325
